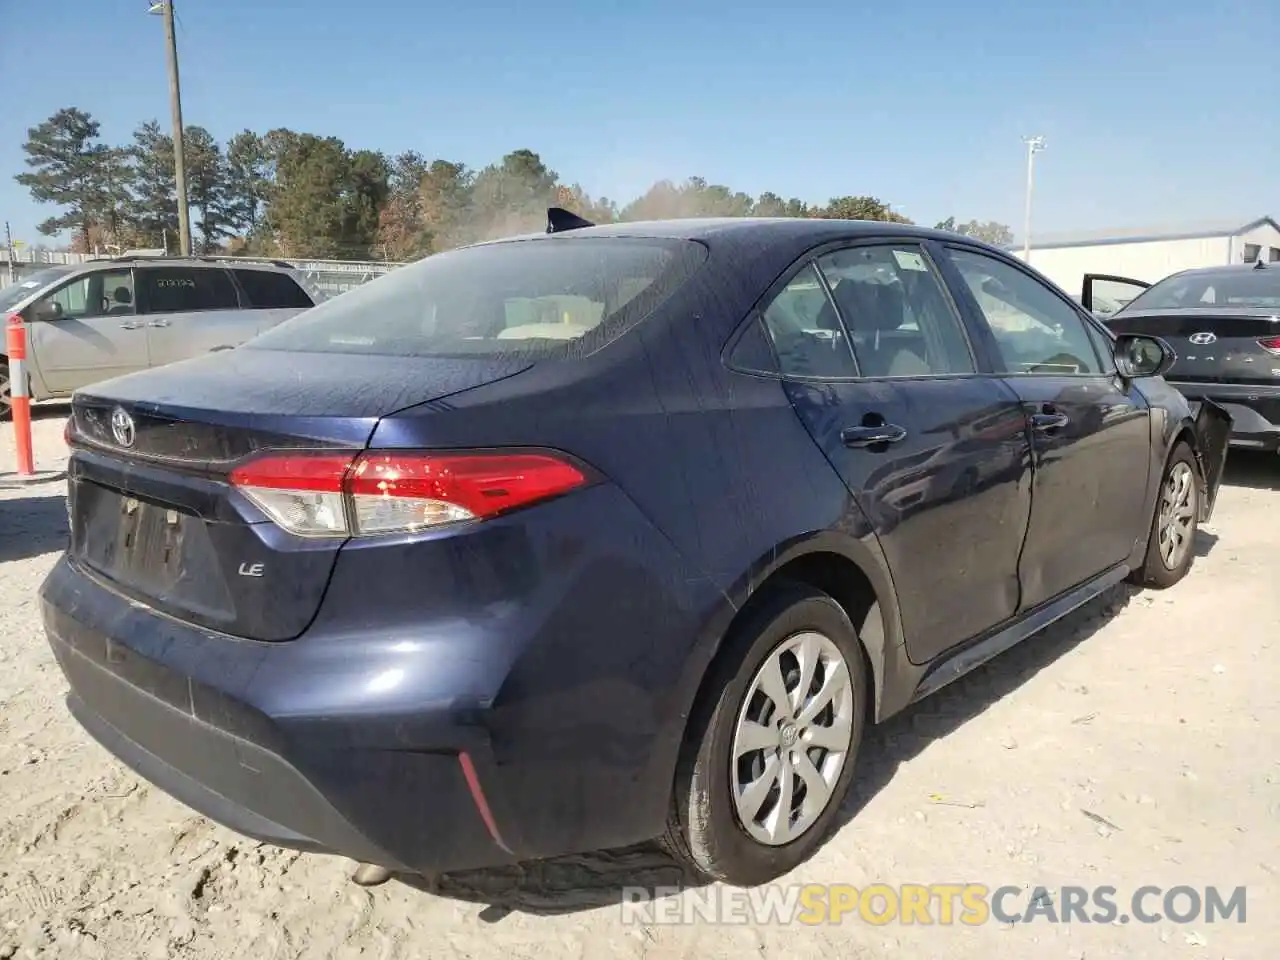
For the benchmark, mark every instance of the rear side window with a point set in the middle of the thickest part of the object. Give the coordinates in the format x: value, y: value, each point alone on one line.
x: 896, y: 311
x: 563, y: 297
x: 187, y: 289
x: 267, y: 289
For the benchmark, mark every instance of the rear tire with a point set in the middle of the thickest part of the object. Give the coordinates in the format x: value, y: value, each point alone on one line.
x: 1175, y: 520
x: 759, y: 785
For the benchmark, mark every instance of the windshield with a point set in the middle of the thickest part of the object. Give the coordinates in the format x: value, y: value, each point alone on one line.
x: 560, y: 297
x: 15, y: 293
x: 1237, y: 288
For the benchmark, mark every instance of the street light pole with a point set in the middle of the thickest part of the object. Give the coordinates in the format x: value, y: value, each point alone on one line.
x: 165, y: 9
x: 1034, y: 146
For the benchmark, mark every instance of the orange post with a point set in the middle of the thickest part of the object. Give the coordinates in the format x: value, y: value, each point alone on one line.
x: 16, y: 347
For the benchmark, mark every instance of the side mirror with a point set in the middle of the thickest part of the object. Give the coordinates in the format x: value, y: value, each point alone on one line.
x: 47, y: 310
x: 1140, y: 356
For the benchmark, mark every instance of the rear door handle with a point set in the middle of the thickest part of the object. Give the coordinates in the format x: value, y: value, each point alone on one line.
x: 131, y: 325
x: 1048, y: 421
x: 158, y: 323
x: 869, y: 436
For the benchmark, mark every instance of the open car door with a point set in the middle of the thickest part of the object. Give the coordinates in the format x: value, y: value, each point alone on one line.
x: 1103, y: 294
x: 1213, y: 432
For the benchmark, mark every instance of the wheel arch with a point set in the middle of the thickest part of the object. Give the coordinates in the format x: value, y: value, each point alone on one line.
x: 853, y: 573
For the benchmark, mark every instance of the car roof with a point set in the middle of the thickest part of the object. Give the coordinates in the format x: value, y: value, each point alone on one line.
x: 1225, y: 269
x: 753, y: 229
x: 200, y: 263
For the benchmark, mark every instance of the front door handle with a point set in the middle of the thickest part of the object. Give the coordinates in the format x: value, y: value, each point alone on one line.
x: 131, y: 325
x: 870, y: 436
x: 1042, y: 422
x: 158, y: 323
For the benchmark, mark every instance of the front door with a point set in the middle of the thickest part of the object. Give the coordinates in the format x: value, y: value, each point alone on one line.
x: 1102, y: 294
x: 1090, y: 430
x: 91, y: 332
x: 879, y: 369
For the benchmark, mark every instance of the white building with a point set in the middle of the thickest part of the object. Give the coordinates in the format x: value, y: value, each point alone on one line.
x: 1151, y: 255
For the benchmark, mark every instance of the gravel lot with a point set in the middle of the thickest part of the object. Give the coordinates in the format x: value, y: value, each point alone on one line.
x: 1133, y: 744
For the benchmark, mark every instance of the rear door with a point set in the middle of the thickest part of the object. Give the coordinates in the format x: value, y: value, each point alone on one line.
x: 190, y: 310
x: 272, y: 295
x: 1104, y: 294
x: 96, y: 334
x: 878, y: 366
x: 1090, y: 430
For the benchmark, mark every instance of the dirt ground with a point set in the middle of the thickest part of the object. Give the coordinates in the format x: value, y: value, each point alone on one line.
x: 1133, y: 744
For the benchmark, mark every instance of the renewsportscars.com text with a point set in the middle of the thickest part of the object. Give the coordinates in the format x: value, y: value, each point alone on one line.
x: 937, y: 903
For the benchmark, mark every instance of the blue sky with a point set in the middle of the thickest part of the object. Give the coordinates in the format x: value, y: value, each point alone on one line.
x: 1155, y: 112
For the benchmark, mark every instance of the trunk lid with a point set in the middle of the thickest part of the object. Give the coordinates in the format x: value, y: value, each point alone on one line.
x: 1214, y: 345
x: 152, y: 513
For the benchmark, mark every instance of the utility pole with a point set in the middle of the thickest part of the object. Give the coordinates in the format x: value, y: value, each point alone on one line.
x: 8, y: 246
x: 1034, y: 146
x: 165, y: 9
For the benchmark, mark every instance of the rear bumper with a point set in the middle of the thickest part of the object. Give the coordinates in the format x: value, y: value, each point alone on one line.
x: 457, y: 703
x: 251, y: 772
x: 1254, y: 409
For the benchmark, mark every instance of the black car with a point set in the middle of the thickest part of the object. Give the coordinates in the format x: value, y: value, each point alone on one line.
x: 567, y: 542
x: 1224, y: 325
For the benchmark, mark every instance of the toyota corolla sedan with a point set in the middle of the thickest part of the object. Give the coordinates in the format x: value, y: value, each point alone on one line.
x: 570, y: 541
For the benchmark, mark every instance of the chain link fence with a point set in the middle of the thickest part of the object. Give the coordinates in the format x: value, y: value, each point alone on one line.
x: 330, y: 277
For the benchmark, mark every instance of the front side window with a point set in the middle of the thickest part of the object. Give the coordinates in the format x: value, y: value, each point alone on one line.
x: 106, y: 293
x: 1036, y: 331
x: 187, y: 289
x: 557, y: 297
x: 897, y: 312
x: 1105, y: 346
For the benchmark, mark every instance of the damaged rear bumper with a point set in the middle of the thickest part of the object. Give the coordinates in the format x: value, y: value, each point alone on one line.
x: 1213, y: 427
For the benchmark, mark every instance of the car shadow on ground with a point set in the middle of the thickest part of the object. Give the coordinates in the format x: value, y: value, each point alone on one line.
x: 1253, y: 469
x: 51, y: 410
x: 32, y: 526
x: 598, y: 880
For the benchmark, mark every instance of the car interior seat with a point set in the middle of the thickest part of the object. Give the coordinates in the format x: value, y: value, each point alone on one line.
x: 121, y: 300
x: 875, y: 313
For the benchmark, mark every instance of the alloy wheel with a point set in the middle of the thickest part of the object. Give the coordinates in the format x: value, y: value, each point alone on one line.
x: 792, y: 738
x: 1177, y: 515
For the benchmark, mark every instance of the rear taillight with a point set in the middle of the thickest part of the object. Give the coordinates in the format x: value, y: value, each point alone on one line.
x: 67, y: 429
x: 1271, y: 345
x: 381, y: 492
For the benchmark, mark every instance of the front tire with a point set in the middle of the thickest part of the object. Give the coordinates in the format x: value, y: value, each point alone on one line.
x: 1171, y: 543
x: 6, y: 394
x: 771, y: 749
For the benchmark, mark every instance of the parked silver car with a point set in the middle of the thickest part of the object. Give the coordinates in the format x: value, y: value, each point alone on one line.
x: 101, y: 319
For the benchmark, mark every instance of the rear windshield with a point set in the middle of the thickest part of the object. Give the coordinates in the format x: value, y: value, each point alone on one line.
x: 15, y: 293
x: 1239, y: 288
x: 558, y: 297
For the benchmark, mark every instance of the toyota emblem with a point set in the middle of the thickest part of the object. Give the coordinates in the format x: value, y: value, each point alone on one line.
x: 122, y: 427
x: 1200, y: 339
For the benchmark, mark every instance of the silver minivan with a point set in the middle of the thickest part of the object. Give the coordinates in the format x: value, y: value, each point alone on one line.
x: 104, y: 318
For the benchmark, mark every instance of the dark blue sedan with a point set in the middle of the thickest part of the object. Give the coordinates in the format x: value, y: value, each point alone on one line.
x: 571, y: 541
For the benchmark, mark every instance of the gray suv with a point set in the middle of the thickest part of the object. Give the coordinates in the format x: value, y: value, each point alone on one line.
x: 101, y: 319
